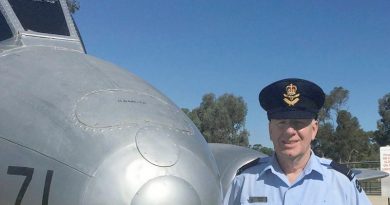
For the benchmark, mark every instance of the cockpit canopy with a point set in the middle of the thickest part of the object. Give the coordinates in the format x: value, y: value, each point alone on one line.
x: 5, y: 31
x: 39, y: 19
x: 44, y: 16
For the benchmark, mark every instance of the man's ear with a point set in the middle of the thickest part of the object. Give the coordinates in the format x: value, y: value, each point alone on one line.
x: 269, y: 129
x: 314, y: 126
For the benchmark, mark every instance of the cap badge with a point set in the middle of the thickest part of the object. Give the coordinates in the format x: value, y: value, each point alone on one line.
x: 291, y: 95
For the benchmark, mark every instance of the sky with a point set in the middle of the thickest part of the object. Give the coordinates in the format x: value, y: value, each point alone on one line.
x: 187, y: 48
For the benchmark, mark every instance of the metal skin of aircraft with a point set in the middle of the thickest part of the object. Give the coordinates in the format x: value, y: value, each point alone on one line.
x: 77, y: 130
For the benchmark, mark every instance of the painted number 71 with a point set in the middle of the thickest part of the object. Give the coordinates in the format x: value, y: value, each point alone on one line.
x: 28, y: 173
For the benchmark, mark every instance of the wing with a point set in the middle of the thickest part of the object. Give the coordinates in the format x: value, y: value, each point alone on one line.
x: 230, y: 158
x: 369, y: 174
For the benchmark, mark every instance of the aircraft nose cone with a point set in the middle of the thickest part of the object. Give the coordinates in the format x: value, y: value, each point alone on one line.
x: 166, y: 190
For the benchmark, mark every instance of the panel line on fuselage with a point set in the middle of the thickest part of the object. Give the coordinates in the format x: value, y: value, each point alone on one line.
x: 40, y: 153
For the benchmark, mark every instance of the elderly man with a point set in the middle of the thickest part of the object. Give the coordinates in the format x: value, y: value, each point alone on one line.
x: 294, y: 174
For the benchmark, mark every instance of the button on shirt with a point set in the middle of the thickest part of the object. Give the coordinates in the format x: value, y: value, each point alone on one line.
x: 319, y: 183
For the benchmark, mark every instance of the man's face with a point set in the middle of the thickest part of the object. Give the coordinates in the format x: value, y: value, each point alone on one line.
x: 292, y: 137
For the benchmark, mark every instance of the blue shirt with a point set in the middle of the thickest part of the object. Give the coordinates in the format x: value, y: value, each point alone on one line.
x: 319, y: 183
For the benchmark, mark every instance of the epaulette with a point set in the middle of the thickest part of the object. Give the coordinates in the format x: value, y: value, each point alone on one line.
x: 342, y: 169
x: 247, y: 165
x: 347, y: 172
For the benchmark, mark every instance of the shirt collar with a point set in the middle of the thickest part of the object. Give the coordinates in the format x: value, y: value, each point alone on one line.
x: 313, y: 164
x: 273, y: 166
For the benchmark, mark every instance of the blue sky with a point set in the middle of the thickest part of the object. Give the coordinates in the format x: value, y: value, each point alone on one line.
x: 187, y: 48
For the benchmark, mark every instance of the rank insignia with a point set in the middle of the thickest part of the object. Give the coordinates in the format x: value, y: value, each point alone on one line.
x: 358, y: 186
x: 291, y: 97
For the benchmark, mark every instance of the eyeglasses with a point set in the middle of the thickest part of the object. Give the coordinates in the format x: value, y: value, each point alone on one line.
x: 297, y: 124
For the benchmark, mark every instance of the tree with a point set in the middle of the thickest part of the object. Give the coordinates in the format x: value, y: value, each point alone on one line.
x: 221, y: 120
x: 351, y: 141
x: 382, y: 135
x: 73, y: 5
x: 342, y: 139
x: 260, y: 148
x: 326, y: 134
x: 333, y: 102
x: 324, y: 142
x: 372, y: 151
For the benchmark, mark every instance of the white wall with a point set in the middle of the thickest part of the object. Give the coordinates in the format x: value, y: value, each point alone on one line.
x: 385, y: 166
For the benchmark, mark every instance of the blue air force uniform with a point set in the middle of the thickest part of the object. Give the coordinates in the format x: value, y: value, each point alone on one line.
x: 321, y: 182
